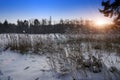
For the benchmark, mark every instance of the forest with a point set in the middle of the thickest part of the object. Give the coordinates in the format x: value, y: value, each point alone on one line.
x: 46, y: 26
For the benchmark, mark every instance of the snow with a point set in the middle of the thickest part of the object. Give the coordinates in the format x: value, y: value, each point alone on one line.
x: 56, y: 64
x: 13, y: 64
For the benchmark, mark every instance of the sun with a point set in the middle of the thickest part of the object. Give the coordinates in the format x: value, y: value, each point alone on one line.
x: 101, y: 23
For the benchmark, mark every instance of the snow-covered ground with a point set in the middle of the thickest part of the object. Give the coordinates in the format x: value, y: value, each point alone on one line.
x: 63, y: 59
x: 14, y: 66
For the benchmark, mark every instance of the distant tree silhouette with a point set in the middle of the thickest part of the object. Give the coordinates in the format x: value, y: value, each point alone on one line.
x: 111, y: 9
x: 44, y: 22
x: 61, y: 21
x: 6, y: 26
x: 1, y: 28
x: 36, y: 22
x: 50, y: 21
x: 26, y: 23
x: 5, y: 23
x: 25, y: 26
x: 20, y: 25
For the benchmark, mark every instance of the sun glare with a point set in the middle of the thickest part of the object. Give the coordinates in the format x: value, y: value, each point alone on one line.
x: 101, y: 23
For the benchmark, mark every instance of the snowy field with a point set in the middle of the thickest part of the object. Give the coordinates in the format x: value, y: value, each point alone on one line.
x: 59, y: 57
x: 14, y: 66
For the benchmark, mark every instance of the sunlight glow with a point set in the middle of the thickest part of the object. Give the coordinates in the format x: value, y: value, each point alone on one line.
x: 102, y: 23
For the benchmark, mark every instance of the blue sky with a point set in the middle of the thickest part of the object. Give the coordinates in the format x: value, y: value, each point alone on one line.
x: 66, y: 9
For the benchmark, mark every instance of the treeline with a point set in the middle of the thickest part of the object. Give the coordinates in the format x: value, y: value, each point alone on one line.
x: 45, y: 26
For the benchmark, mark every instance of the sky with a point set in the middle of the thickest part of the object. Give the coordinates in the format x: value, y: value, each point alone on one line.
x: 12, y: 10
